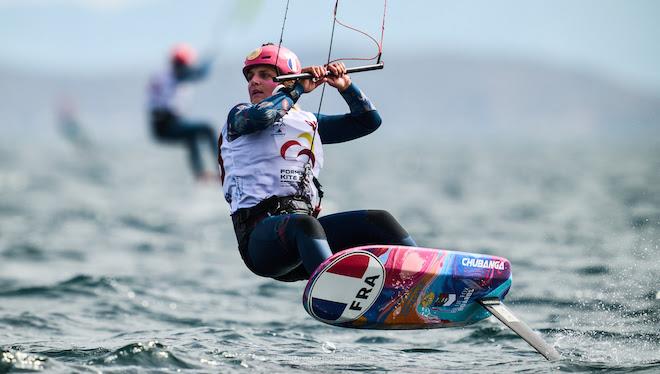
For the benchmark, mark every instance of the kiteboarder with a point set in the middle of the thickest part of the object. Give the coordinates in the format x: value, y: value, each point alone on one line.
x: 166, y: 91
x: 70, y: 127
x: 271, y: 154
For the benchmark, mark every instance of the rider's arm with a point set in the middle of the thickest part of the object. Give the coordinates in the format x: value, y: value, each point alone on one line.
x: 197, y: 72
x: 247, y: 118
x: 362, y: 120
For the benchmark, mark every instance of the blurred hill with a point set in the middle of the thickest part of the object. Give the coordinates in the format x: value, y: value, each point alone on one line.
x: 447, y: 95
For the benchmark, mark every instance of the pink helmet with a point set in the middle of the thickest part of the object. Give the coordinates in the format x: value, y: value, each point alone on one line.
x: 183, y: 54
x: 267, y: 54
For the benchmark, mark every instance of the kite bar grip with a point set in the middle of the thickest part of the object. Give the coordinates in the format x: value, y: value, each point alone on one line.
x: 356, y: 69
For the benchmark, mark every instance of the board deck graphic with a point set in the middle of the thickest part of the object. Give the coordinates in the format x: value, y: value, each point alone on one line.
x: 397, y: 287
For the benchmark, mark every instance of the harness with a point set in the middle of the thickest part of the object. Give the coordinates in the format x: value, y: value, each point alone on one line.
x: 245, y: 219
x: 273, y: 206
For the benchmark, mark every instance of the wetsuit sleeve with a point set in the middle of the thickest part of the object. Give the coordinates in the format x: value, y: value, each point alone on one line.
x: 198, y: 72
x: 248, y: 118
x: 362, y: 120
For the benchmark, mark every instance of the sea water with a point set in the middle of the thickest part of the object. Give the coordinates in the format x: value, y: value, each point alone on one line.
x: 115, y: 260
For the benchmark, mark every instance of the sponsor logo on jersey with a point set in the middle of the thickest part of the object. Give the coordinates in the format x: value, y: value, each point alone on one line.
x: 278, y: 128
x: 290, y: 176
x: 293, y: 149
x: 346, y: 288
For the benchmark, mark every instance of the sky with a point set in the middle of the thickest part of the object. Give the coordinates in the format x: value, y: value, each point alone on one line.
x: 615, y: 38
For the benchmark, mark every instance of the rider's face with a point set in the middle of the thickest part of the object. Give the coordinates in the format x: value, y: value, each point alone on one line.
x: 260, y: 82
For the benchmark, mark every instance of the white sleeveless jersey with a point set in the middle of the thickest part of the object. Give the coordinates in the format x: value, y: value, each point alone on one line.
x: 271, y: 162
x: 165, y: 93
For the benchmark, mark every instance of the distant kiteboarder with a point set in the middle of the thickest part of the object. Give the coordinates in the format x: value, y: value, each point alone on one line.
x: 166, y: 91
x: 69, y: 126
x: 271, y: 153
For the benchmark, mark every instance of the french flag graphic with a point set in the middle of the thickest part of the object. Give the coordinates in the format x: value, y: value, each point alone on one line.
x: 346, y: 288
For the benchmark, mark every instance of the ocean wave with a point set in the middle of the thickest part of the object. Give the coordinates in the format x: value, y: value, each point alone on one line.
x: 151, y: 354
x: 28, y: 320
x: 83, y: 285
x: 12, y: 360
x: 149, y: 225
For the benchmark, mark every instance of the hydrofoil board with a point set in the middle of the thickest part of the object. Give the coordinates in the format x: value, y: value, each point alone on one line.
x: 398, y: 287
